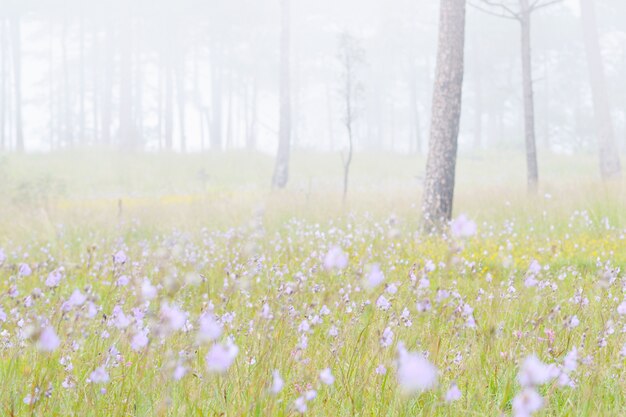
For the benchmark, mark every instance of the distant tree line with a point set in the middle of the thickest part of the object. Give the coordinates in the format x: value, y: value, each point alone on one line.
x: 175, y: 75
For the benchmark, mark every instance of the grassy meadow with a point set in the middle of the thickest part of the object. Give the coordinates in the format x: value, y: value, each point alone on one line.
x: 182, y: 285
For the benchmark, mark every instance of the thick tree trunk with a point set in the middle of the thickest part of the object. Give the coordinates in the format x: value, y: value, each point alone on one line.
x: 16, y: 38
x: 607, y: 148
x: 529, y: 105
x: 281, y: 169
x: 446, y: 115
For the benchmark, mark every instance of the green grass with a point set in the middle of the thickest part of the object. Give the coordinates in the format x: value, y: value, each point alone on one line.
x: 249, y: 244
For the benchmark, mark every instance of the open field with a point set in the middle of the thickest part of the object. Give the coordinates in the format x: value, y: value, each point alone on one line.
x: 130, y: 289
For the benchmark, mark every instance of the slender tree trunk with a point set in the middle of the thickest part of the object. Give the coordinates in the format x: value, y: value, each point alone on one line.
x: 351, y: 56
x: 609, y: 160
x: 392, y: 126
x: 378, y: 141
x: 329, y: 118
x: 126, y: 132
x: 529, y: 104
x: 281, y: 169
x: 348, y: 160
x: 347, y: 163
x: 81, y: 87
x: 161, y: 82
x: 181, y: 99
x: 197, y: 97
x: 137, y: 120
x: 10, y: 102
x: 16, y: 37
x: 3, y: 83
x: 138, y: 99
x: 446, y: 115
x: 478, y: 99
x: 68, y: 131
x: 229, y: 116
x: 252, y: 117
x: 416, y: 137
x: 51, y: 102
x: 169, y: 105
x: 107, y: 88
x: 546, y: 110
x: 95, y: 83
x: 202, y: 130
x: 206, y: 115
x: 216, y: 99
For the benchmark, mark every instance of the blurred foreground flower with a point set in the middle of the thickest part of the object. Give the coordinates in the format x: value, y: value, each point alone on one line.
x: 221, y: 357
x: 48, y: 340
x: 415, y: 373
x: 335, y: 259
x: 462, y: 227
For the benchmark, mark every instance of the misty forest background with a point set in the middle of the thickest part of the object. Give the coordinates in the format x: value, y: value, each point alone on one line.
x: 190, y: 75
x: 311, y: 82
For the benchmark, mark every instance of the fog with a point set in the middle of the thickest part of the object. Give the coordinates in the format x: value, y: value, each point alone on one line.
x: 312, y: 207
x: 200, y: 75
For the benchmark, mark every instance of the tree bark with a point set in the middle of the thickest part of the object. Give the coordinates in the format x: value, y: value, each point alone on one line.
x: 529, y: 105
x: 446, y: 115
x: 281, y: 169
x: 607, y: 148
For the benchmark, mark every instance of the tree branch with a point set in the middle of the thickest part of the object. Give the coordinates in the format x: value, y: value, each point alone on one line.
x: 492, y: 13
x: 539, y: 5
x: 507, y: 9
